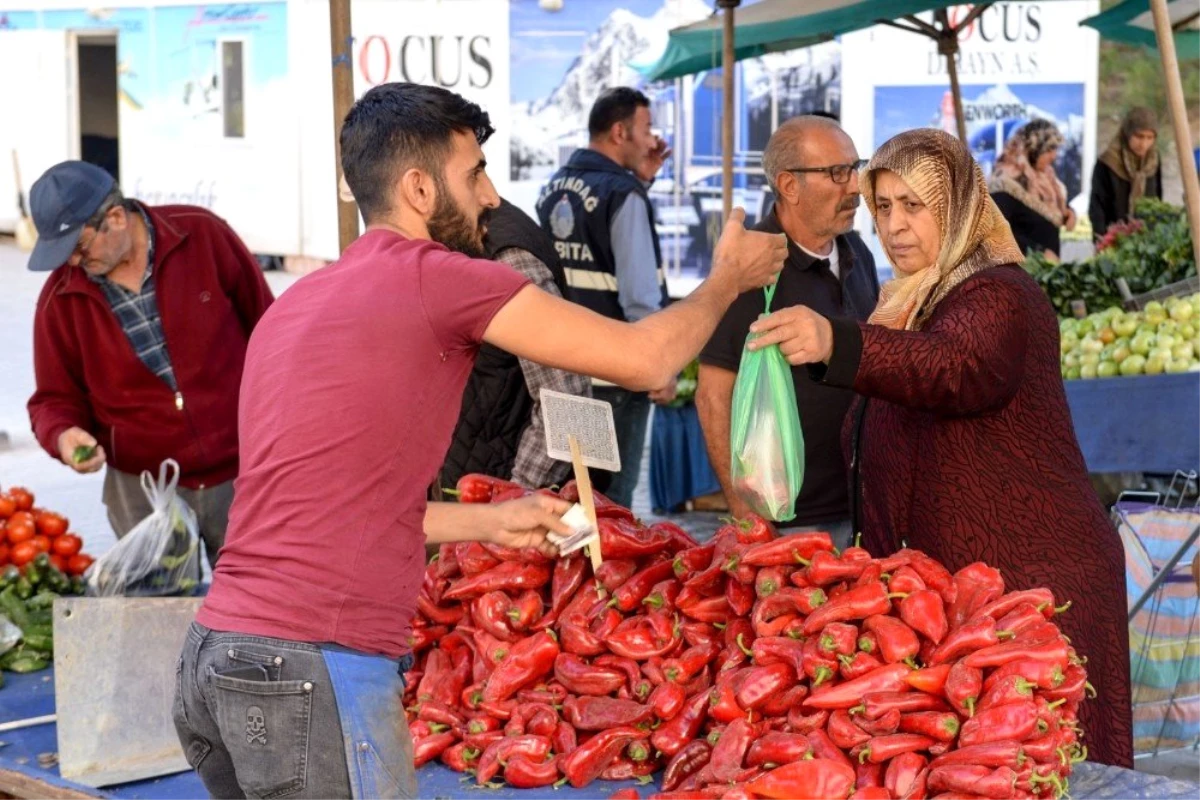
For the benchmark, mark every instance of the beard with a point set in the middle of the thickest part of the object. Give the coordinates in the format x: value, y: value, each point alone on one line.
x: 450, y: 226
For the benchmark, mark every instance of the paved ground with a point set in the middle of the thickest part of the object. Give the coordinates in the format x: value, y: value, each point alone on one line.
x: 59, y: 488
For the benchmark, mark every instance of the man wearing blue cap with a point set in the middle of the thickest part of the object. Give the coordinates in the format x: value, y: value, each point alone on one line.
x: 138, y: 342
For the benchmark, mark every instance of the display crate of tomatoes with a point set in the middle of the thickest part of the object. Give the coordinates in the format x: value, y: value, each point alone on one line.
x: 754, y: 666
x: 39, y: 561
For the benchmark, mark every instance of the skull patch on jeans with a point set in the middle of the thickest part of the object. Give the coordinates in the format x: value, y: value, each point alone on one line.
x: 256, y: 726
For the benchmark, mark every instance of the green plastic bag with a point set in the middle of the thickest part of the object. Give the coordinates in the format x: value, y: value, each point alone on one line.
x: 765, y: 441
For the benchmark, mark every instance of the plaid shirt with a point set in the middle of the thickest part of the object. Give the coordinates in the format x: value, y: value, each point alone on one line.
x: 138, y: 314
x: 532, y: 466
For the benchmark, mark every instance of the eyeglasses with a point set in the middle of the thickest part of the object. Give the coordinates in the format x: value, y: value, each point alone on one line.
x: 838, y: 173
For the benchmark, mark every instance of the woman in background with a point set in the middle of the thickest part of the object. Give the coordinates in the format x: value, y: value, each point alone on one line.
x: 1126, y: 172
x: 1028, y: 192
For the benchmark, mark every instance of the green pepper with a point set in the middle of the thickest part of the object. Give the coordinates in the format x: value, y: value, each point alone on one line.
x: 9, y: 576
x: 24, y: 587
x: 83, y: 452
x: 28, y: 663
x: 40, y: 641
x: 12, y: 606
x: 78, y: 585
x: 40, y: 617
x: 43, y: 599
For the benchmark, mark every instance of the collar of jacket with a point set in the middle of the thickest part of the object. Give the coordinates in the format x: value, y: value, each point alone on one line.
x: 799, y: 257
x: 169, y: 237
x: 586, y: 158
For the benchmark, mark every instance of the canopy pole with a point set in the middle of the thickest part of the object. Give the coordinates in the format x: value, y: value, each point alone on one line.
x: 947, y: 42
x: 727, y: 67
x: 341, y: 54
x: 1183, y: 136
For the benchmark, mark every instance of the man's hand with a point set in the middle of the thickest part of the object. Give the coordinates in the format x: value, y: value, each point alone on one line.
x: 666, y: 394
x: 526, y: 521
x: 78, y: 450
x: 653, y: 162
x: 751, y: 258
x: 803, y: 335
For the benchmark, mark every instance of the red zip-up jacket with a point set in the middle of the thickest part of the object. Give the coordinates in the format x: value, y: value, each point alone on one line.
x: 211, y: 293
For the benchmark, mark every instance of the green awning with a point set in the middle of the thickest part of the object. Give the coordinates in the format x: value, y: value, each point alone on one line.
x: 772, y: 26
x: 1131, y: 22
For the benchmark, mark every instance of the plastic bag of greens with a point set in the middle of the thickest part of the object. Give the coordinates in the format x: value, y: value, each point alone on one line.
x: 161, y: 555
x: 766, y: 444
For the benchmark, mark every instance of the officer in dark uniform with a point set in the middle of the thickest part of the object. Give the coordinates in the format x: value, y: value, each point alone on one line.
x: 598, y: 212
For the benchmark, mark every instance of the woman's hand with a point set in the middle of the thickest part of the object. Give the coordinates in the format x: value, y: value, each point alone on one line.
x: 803, y: 335
x: 1070, y: 219
x: 526, y: 521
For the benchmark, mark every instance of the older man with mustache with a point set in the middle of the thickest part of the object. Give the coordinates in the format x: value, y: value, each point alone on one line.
x: 812, y: 166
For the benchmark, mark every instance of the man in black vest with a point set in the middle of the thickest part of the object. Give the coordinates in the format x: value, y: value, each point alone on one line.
x: 500, y: 430
x: 812, y: 166
x: 597, y: 209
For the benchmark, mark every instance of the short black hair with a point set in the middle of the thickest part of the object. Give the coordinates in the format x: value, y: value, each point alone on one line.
x: 827, y: 115
x: 400, y: 126
x: 618, y: 104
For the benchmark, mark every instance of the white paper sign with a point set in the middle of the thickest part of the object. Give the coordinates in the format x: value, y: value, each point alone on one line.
x: 589, y: 421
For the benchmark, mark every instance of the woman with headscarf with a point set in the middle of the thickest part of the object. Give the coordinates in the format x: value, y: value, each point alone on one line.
x: 961, y: 444
x: 1127, y: 171
x: 1027, y: 190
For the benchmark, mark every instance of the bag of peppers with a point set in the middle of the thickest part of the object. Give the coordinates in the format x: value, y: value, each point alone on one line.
x: 755, y: 665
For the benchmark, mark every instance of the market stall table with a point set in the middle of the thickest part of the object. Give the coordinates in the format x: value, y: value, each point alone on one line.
x: 1138, y: 424
x: 25, y: 696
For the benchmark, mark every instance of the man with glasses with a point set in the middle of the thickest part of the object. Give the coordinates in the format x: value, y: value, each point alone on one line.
x: 812, y: 167
x: 138, y: 342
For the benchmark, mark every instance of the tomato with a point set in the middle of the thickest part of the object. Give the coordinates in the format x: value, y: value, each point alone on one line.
x: 42, y: 543
x: 22, y: 497
x: 22, y: 553
x: 3, y: 554
x: 66, y: 545
x: 59, y: 562
x: 19, y: 532
x: 51, y: 524
x: 23, y: 518
x: 7, y: 506
x: 79, y: 563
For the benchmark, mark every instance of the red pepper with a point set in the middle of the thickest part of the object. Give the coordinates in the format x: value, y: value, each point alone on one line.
x: 935, y: 576
x: 993, y: 754
x: 439, y: 615
x: 975, y: 635
x: 564, y: 740
x: 623, y: 538
x: 476, y: 488
x: 497, y: 754
x: 977, y: 781
x: 446, y: 562
x: 710, y: 580
x: 604, y: 625
x: 424, y: 636
x: 441, y: 713
x: 806, y: 724
x: 711, y: 609
x: 736, y: 569
x: 790, y: 550
x: 818, y: 777
x: 598, y: 713
x: 817, y: 664
x: 924, y: 612
x: 696, y: 634
x: 502, y: 709
x: 614, y: 572
x: 490, y: 612
x: 580, y: 677
x: 626, y: 667
x: 775, y: 748
x: 902, y: 772
x: 1010, y: 722
x: 482, y: 741
x: 929, y: 679
x: 881, y: 749
x: 770, y: 580
x: 844, y: 733
x: 875, y: 704
x: 1044, y: 749
x: 482, y: 724
x: 693, y: 560
x: 624, y: 769
x: 663, y: 595
x: 963, y: 687
x: 689, y: 760
x: 460, y: 757
x: 723, y: 705
x: 506, y: 576
x: 527, y: 661
x: 690, y: 663
x: 940, y: 725
x: 845, y: 695
x: 588, y: 760
x: 1073, y: 687
x: 740, y: 596
x: 753, y: 529
x: 589, y: 600
x: 778, y: 650
x: 825, y: 568
x: 524, y: 773
x: 730, y: 750
x: 763, y: 683
x: 897, y: 641
x: 859, y: 603
x: 889, y: 722
x: 872, y: 573
x: 977, y: 585
x: 1038, y: 632
x: 568, y: 575
x: 1052, y: 651
x: 905, y: 580
x: 839, y: 638
x: 869, y: 776
x: 526, y: 610
x: 667, y: 700
x: 630, y: 594
x: 858, y: 665
x: 1021, y: 618
x: 673, y: 735
x: 783, y: 702
x: 871, y: 793
x: 430, y: 747
x: 1008, y: 690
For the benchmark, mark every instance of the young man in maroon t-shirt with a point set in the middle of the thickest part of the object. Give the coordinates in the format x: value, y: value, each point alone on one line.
x: 289, y: 680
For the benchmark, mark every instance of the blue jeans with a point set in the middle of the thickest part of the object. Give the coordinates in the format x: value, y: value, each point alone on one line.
x: 263, y: 717
x: 631, y: 415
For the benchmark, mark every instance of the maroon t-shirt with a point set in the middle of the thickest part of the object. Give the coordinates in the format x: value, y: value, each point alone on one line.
x: 352, y: 386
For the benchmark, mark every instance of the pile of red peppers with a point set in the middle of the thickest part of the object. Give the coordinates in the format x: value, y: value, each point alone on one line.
x: 754, y: 666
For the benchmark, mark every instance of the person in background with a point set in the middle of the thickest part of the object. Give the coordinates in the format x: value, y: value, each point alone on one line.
x: 812, y: 166
x: 599, y: 214
x: 1126, y: 172
x: 962, y: 445
x: 138, y: 342
x: 1027, y: 190
x: 500, y: 431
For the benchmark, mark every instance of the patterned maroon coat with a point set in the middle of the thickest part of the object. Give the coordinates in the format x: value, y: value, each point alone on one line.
x: 967, y: 452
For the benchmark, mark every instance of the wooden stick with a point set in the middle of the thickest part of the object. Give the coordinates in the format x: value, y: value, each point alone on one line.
x: 584, y: 483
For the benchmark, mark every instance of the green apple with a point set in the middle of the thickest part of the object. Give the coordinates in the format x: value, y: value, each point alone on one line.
x: 1106, y: 369
x: 1112, y: 312
x: 1072, y: 373
x: 1169, y: 327
x: 1071, y: 360
x: 1183, y: 351
x: 1178, y: 365
x: 1120, y: 352
x: 1088, y: 371
x: 1125, y: 326
x: 1167, y: 340
x: 1160, y: 352
x: 1134, y: 365
x: 1068, y: 343
x: 1182, y: 311
x: 1091, y: 346
x: 1187, y: 330
x: 1084, y: 326
x: 1156, y: 364
x: 1146, y: 327
x: 1089, y: 359
x: 1141, y: 344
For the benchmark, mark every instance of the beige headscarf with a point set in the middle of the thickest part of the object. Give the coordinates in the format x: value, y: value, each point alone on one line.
x: 1015, y: 173
x: 1124, y: 162
x: 975, y: 236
